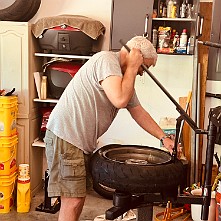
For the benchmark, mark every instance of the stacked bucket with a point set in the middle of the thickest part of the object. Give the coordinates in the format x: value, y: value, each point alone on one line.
x: 8, y: 151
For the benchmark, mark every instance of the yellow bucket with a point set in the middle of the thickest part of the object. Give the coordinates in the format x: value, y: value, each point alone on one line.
x: 8, y: 149
x: 7, y: 186
x: 8, y: 115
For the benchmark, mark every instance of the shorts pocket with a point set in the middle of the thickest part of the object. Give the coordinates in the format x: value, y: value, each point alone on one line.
x: 49, y: 150
x: 72, y: 169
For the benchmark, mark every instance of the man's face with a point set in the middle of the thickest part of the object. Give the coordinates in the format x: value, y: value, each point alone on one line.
x: 147, y: 62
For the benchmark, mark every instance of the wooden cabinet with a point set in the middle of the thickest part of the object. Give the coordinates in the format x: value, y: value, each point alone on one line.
x: 17, y: 65
x: 38, y: 143
x: 191, y: 22
x: 130, y: 18
x: 214, y: 65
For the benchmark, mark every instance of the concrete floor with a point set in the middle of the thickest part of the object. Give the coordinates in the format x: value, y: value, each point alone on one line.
x: 95, y: 206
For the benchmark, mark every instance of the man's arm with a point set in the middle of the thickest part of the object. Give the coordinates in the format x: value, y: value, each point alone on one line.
x: 143, y: 118
x: 119, y: 90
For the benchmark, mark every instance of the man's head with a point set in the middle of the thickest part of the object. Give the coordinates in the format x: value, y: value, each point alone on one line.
x: 145, y: 46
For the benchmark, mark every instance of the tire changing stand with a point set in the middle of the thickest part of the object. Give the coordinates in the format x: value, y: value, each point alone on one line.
x: 144, y: 202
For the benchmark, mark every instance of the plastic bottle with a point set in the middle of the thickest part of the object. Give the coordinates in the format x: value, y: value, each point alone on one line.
x: 44, y: 88
x: 177, y: 2
x: 183, y: 39
x: 189, y: 11
x: 160, y: 10
x: 164, y: 14
x: 174, y: 9
x: 154, y: 37
x: 169, y: 9
x: 188, y: 47
x: 176, y: 41
x: 23, y: 189
x: 183, y: 10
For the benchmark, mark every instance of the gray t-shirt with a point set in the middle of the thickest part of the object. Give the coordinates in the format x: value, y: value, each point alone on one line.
x: 84, y: 113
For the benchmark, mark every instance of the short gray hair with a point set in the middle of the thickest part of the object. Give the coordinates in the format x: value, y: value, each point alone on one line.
x: 145, y: 46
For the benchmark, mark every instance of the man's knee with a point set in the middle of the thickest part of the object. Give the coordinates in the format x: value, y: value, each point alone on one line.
x: 72, y: 202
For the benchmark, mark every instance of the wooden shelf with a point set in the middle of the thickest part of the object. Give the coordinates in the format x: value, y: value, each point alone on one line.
x: 48, y: 100
x: 174, y: 19
x: 38, y: 143
x: 82, y: 57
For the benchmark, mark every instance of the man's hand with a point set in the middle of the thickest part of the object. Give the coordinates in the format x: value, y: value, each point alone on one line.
x: 168, y: 143
x: 134, y: 59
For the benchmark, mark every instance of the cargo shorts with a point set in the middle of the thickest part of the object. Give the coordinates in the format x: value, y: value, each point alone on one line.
x: 68, y: 166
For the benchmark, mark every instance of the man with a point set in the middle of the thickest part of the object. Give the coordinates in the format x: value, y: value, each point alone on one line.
x: 85, y: 111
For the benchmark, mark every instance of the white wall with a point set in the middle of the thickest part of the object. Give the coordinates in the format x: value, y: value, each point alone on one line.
x: 97, y: 9
x: 175, y: 73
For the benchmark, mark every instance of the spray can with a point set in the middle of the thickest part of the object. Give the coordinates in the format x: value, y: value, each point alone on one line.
x: 23, y: 189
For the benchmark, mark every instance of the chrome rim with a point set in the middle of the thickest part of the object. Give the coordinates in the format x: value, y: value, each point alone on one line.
x: 137, y: 155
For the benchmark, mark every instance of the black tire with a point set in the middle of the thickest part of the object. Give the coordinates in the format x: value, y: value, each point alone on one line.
x: 103, y: 191
x: 20, y: 10
x: 32, y: 11
x: 136, y: 169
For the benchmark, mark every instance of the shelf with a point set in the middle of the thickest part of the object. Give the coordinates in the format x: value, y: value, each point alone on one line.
x: 174, y: 19
x: 48, y: 100
x: 38, y: 143
x: 62, y: 56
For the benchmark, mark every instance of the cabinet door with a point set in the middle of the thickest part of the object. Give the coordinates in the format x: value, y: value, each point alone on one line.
x: 17, y: 63
x: 128, y: 20
x: 14, y: 59
x: 214, y: 61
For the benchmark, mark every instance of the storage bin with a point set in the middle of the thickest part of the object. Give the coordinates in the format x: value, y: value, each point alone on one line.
x: 8, y: 115
x: 8, y: 149
x: 7, y: 186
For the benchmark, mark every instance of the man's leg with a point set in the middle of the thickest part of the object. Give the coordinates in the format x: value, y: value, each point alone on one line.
x: 68, y: 176
x: 71, y: 208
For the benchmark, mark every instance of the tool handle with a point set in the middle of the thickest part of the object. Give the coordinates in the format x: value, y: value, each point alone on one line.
x: 122, y: 42
x: 210, y: 44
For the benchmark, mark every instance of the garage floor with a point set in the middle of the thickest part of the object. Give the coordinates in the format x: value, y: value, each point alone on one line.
x: 95, y: 206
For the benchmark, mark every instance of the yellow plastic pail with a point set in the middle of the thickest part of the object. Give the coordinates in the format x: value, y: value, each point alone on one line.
x: 7, y: 185
x: 8, y: 115
x: 8, y: 149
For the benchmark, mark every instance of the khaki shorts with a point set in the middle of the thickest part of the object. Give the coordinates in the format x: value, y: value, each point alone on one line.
x: 68, y: 168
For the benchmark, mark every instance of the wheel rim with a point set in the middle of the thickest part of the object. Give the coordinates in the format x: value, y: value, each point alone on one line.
x: 137, y: 155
